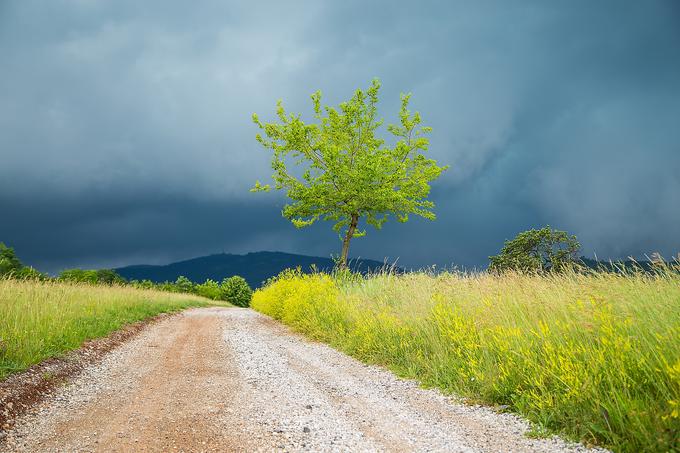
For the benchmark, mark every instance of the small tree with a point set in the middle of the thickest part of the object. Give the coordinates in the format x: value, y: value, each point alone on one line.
x: 537, y: 251
x: 236, y: 291
x: 184, y: 285
x: 109, y: 277
x: 347, y: 173
x: 9, y: 263
x: 210, y: 289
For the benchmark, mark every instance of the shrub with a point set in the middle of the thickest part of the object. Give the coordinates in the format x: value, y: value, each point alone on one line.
x: 29, y: 273
x: 109, y: 277
x: 184, y: 285
x: 236, y: 291
x: 143, y: 284
x: 102, y: 276
x: 78, y: 276
x: 209, y: 289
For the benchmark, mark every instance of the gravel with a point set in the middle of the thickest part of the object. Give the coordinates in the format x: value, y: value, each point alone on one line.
x: 228, y: 379
x: 318, y: 399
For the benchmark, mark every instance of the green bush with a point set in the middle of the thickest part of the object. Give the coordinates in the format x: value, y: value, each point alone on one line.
x: 236, y: 291
x: 29, y: 273
x: 79, y: 276
x: 101, y: 276
x: 184, y: 285
x: 143, y: 284
x: 209, y: 289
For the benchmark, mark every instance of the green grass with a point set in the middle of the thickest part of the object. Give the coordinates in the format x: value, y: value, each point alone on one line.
x: 39, y: 320
x: 594, y: 357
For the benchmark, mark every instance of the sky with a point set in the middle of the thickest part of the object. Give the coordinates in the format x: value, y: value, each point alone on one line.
x: 126, y: 133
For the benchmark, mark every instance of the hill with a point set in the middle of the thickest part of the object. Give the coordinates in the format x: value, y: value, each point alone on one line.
x: 619, y: 265
x: 254, y: 267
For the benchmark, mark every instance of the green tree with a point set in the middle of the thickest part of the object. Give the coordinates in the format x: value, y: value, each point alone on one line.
x: 537, y: 251
x: 143, y: 284
x: 236, y: 291
x: 184, y: 285
x: 9, y: 263
x: 79, y: 276
x: 30, y: 273
x: 109, y: 277
x: 345, y: 171
x: 210, y: 289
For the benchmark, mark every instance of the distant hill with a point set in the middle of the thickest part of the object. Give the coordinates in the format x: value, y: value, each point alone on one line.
x: 254, y: 267
x: 620, y: 265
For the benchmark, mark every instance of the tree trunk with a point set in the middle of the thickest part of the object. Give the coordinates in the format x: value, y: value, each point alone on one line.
x: 348, y: 237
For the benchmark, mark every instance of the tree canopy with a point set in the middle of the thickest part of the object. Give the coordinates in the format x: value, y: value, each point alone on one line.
x: 537, y: 251
x: 339, y: 169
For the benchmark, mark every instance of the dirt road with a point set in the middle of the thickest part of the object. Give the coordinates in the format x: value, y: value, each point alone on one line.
x: 225, y: 379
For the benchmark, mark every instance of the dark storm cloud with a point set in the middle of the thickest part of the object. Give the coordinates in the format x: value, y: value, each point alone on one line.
x: 125, y: 131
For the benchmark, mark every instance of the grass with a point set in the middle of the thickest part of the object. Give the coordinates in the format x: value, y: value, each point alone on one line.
x: 39, y: 320
x: 594, y: 357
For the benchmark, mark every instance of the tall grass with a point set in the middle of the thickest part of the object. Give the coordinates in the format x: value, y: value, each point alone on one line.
x: 595, y: 357
x: 44, y: 319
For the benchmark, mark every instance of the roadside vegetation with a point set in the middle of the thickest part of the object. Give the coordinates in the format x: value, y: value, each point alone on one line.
x: 592, y: 355
x: 42, y: 319
x: 234, y: 289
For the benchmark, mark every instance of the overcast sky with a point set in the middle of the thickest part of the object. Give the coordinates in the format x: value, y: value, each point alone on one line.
x: 125, y: 131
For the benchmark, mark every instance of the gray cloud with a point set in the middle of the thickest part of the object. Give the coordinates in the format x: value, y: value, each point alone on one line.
x: 125, y: 131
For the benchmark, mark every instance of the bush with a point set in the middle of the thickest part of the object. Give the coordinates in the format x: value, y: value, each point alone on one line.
x: 29, y: 273
x: 101, y: 276
x: 236, y: 291
x: 210, y: 289
x: 109, y: 277
x: 78, y: 276
x: 143, y: 284
x: 184, y: 285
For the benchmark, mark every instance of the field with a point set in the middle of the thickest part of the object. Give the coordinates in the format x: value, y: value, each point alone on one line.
x: 594, y: 357
x: 44, y: 319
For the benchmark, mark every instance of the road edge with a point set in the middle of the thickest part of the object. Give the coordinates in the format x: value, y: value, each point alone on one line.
x: 22, y: 391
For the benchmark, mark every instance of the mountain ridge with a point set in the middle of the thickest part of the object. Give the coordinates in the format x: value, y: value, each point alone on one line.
x: 255, y: 267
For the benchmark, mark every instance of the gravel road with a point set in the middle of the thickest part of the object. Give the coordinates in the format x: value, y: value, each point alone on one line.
x: 228, y: 379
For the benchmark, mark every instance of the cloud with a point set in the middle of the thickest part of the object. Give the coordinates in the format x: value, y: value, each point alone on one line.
x: 139, y: 112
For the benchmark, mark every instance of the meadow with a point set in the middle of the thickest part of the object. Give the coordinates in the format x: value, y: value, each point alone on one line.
x: 592, y: 356
x: 42, y: 319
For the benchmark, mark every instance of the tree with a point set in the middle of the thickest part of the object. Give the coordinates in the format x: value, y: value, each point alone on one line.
x: 345, y: 172
x: 109, y: 277
x: 184, y: 285
x: 79, y: 276
x: 210, y: 289
x: 236, y: 291
x: 537, y: 251
x: 9, y: 263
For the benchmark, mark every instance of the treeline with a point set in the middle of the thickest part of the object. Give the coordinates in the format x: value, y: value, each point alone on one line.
x: 234, y: 290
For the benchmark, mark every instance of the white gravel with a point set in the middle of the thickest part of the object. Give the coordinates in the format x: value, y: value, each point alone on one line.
x: 318, y: 399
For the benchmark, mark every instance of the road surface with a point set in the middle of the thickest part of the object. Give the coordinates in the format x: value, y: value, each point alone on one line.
x: 229, y: 379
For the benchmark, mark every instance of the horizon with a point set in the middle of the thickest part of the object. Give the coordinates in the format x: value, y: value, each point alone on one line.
x: 353, y: 259
x: 126, y: 133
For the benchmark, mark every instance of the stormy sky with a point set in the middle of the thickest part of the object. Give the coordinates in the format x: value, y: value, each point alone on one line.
x: 125, y: 131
